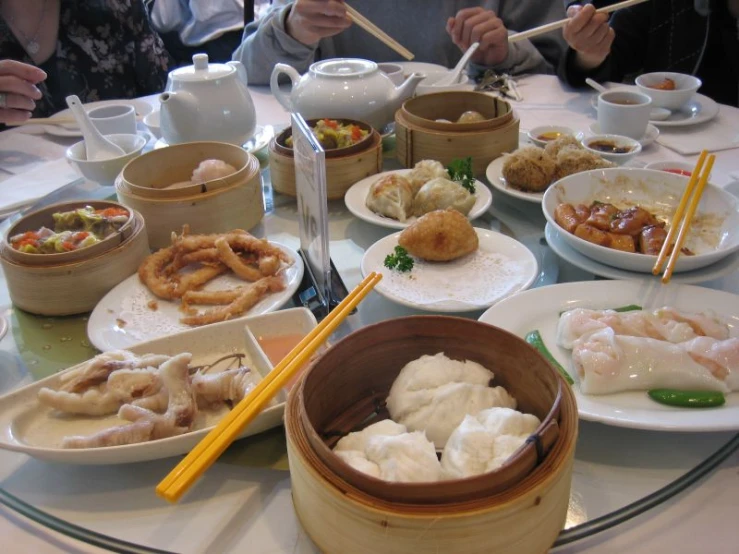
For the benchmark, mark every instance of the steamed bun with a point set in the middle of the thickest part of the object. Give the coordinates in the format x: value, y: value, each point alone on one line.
x: 208, y: 170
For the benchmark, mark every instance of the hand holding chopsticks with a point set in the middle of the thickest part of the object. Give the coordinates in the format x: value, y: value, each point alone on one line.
x: 200, y: 458
x: 679, y: 225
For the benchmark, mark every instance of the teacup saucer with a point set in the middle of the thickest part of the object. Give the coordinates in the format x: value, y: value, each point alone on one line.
x: 649, y: 137
x: 261, y: 138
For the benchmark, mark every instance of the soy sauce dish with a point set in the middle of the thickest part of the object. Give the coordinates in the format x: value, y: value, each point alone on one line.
x: 615, y: 148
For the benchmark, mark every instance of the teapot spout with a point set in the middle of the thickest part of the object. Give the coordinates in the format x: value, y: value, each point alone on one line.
x: 178, y: 115
x: 406, y: 89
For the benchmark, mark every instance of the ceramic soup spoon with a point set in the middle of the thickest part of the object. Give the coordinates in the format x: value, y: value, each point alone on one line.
x: 97, y: 146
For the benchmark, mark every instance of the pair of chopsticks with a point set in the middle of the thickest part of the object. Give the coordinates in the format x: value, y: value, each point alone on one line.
x: 200, y: 458
x: 376, y: 32
x: 699, y: 177
x: 536, y: 31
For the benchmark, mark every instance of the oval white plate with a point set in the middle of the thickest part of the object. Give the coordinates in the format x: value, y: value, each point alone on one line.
x: 466, y: 284
x: 699, y: 109
x: 29, y: 427
x: 649, y: 137
x: 122, y: 318
x: 554, y: 238
x: 142, y: 108
x: 539, y: 309
x: 357, y: 194
x: 261, y: 138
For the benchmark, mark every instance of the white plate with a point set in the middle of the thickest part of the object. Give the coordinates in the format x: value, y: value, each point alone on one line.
x: 539, y: 309
x: 699, y: 109
x: 500, y: 267
x: 122, y: 318
x: 261, y: 138
x: 649, y: 137
x: 26, y: 426
x: 356, y: 195
x: 142, y: 108
x: 554, y: 238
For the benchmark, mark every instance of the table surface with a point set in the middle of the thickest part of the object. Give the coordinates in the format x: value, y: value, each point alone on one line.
x: 244, y: 500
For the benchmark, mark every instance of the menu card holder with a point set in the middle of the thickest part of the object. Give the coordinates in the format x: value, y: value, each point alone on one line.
x: 322, y: 287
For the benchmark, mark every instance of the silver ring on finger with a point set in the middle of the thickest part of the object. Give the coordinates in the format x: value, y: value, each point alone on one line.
x: 3, y: 100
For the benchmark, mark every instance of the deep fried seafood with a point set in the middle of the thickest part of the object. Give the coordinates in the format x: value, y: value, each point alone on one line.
x: 269, y: 265
x: 441, y: 235
x: 235, y: 263
x: 529, y: 169
x: 152, y: 273
x: 211, y: 297
x: 198, y: 278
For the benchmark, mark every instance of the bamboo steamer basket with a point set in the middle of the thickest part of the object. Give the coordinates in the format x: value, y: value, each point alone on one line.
x: 214, y: 206
x: 74, y: 287
x: 524, y: 518
x: 344, y: 166
x: 419, y: 136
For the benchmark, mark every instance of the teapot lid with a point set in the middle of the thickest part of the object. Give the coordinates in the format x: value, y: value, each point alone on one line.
x: 201, y: 70
x: 343, y: 67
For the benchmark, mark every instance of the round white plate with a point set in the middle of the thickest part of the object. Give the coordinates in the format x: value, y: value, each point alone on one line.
x: 501, y: 266
x: 727, y: 265
x: 699, y: 109
x: 141, y: 106
x: 123, y: 318
x: 539, y: 309
x: 649, y: 137
x: 261, y: 138
x: 357, y: 193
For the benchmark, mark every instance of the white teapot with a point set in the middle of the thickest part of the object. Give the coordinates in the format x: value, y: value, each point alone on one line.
x: 207, y: 102
x: 343, y: 87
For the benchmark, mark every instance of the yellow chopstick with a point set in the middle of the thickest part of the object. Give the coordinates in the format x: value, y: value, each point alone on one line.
x: 685, y: 227
x: 378, y: 33
x: 200, y: 458
x: 677, y: 217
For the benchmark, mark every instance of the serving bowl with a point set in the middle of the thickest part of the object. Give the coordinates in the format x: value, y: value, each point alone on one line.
x: 714, y: 232
x: 623, y: 148
x: 105, y: 171
x: 346, y: 387
x: 685, y: 87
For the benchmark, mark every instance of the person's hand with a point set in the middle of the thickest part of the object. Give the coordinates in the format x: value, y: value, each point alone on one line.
x: 18, y: 90
x: 311, y: 20
x: 472, y: 25
x: 589, y: 34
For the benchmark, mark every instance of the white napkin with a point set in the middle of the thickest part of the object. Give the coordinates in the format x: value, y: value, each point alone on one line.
x: 721, y: 133
x: 21, y: 152
x: 21, y: 190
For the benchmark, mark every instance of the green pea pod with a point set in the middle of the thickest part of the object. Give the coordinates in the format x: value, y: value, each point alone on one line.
x: 687, y: 398
x: 535, y: 340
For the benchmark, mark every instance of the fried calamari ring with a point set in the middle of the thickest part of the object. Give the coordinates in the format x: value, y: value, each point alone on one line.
x: 235, y: 263
x: 198, y: 278
x: 151, y: 273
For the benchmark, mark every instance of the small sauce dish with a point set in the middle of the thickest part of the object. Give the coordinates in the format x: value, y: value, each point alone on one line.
x: 614, y: 148
x: 679, y: 168
x: 547, y: 133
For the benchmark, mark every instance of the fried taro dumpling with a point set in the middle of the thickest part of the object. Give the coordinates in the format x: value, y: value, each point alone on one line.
x: 391, y: 196
x: 562, y: 143
x: 529, y: 169
x: 440, y: 194
x: 424, y: 171
x: 571, y: 161
x: 440, y: 236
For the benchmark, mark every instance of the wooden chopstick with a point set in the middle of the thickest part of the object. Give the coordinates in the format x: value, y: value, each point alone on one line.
x: 200, y: 458
x: 685, y: 227
x: 45, y: 121
x: 375, y: 31
x: 536, y: 31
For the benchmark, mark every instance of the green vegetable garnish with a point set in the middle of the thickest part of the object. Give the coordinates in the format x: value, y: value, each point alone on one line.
x: 535, y: 340
x: 628, y: 308
x: 460, y: 171
x: 687, y: 398
x: 400, y: 260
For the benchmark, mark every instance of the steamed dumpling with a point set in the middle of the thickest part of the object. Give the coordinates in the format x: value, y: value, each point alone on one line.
x: 208, y: 170
x: 391, y: 196
x: 424, y: 171
x: 387, y: 451
x: 471, y: 116
x: 484, y: 442
x: 440, y: 194
x: 435, y: 393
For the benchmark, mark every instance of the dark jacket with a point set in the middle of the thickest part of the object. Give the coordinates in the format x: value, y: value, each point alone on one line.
x: 669, y: 35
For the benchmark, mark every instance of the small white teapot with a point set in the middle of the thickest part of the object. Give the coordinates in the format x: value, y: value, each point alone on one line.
x: 207, y: 102
x: 343, y: 88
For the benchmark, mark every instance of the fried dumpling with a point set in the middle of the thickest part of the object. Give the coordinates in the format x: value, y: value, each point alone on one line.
x: 391, y: 196
x: 570, y: 161
x: 529, y: 169
x: 440, y: 194
x: 440, y: 236
x: 424, y: 171
x: 562, y: 143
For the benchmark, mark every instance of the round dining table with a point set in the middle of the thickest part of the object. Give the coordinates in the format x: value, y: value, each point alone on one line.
x: 634, y: 490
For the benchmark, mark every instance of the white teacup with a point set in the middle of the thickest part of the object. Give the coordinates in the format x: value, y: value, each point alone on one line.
x: 394, y: 71
x: 623, y: 112
x: 118, y: 119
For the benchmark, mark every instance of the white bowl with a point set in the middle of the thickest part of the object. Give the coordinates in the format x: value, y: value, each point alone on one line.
x: 618, y: 141
x: 713, y: 235
x: 428, y: 86
x: 105, y: 171
x: 537, y: 132
x: 151, y: 120
x: 680, y: 168
x: 685, y: 87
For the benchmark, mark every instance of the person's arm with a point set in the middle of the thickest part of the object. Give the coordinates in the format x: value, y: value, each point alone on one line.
x: 168, y: 15
x: 151, y: 59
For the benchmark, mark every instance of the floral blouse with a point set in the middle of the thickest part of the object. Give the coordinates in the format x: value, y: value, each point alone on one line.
x: 105, y: 50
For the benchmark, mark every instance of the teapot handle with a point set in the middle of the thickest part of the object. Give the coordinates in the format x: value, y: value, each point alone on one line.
x: 282, y: 96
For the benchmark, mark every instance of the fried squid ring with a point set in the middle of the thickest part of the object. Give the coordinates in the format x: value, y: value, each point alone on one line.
x: 235, y: 263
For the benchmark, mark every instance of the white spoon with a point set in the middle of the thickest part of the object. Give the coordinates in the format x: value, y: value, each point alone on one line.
x: 656, y: 114
x: 452, y: 77
x: 98, y: 148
